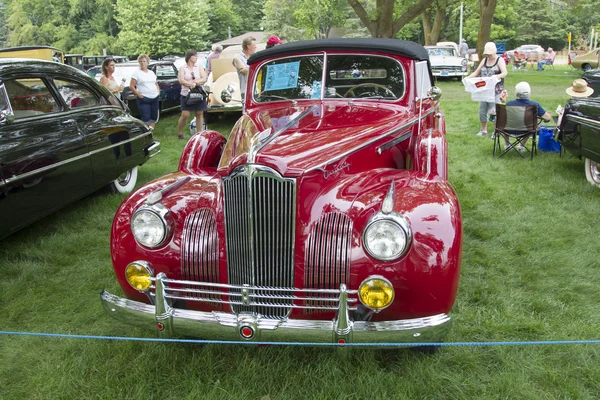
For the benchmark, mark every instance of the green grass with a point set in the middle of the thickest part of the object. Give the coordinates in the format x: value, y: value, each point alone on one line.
x: 529, y: 273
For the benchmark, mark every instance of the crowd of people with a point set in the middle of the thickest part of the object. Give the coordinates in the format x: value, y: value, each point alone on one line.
x: 192, y: 76
x: 493, y: 65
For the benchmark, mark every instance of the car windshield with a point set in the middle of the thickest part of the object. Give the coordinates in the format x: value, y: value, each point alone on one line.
x: 442, y: 51
x: 346, y: 76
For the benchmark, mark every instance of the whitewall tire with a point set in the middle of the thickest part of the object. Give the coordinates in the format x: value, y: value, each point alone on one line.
x: 592, y: 172
x: 125, y: 182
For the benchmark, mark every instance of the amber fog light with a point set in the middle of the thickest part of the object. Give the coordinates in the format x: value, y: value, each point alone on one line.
x: 139, y: 274
x: 376, y: 292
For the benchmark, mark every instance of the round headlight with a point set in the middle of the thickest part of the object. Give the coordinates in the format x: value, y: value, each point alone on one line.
x: 138, y: 275
x: 385, y: 239
x: 376, y: 292
x: 149, y: 228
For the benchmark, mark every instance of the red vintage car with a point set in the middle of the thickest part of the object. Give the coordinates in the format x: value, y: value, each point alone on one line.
x: 326, y: 216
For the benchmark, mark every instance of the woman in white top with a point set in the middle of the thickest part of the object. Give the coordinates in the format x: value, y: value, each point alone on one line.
x: 191, y: 75
x: 108, y: 80
x: 143, y: 85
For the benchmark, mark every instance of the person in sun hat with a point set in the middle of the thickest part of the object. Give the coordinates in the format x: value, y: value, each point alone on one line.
x: 579, y: 88
x: 273, y: 41
x: 489, y: 66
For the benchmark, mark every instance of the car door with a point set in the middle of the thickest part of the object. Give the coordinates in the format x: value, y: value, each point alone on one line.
x: 43, y: 157
x: 114, y: 140
x: 166, y: 76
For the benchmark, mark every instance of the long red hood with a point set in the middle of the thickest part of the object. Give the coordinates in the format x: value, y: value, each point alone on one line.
x: 326, y: 132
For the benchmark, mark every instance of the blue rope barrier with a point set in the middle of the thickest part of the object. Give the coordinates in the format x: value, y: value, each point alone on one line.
x: 200, y: 341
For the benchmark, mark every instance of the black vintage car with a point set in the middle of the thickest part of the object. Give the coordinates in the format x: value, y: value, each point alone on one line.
x: 592, y: 77
x: 62, y: 136
x: 579, y: 134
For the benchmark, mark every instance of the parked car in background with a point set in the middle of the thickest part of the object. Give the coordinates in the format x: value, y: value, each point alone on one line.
x: 166, y: 75
x: 531, y: 51
x: 62, y: 136
x: 327, y: 215
x: 446, y: 63
x: 592, y: 77
x: 579, y: 134
x: 586, y: 61
x: 75, y: 60
x: 34, y: 52
x: 224, y: 76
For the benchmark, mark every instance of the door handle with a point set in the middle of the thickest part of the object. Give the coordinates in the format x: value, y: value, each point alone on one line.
x: 68, y: 121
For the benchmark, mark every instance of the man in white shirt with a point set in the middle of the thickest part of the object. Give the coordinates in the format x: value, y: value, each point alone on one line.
x: 240, y: 62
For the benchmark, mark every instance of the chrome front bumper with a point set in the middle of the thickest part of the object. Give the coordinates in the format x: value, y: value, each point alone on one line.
x: 169, y: 321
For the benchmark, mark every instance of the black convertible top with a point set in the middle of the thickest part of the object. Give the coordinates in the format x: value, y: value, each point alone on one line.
x: 401, y: 47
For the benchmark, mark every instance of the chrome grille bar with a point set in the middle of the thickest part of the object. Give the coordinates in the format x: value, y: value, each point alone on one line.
x: 327, y: 254
x: 259, y: 216
x: 199, y: 249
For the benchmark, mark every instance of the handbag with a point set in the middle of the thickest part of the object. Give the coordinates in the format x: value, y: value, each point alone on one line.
x: 196, y: 96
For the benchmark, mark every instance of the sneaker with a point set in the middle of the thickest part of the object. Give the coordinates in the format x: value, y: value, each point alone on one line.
x: 521, y: 149
x: 482, y: 133
x: 493, y: 136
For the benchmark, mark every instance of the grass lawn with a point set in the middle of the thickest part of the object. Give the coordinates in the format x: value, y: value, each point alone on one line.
x: 530, y: 272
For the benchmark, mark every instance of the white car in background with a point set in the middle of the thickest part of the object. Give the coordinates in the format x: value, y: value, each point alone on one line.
x: 446, y: 63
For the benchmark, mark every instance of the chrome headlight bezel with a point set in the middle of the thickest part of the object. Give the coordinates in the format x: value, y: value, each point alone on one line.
x: 395, y: 219
x: 155, y: 210
x: 367, y: 282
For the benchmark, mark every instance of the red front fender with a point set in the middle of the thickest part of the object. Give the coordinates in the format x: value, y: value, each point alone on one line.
x: 203, y: 150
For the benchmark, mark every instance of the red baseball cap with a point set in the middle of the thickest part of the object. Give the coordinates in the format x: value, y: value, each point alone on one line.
x: 274, y: 40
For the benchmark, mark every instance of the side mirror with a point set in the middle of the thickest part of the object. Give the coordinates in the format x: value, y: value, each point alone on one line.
x: 434, y: 92
x: 6, y: 117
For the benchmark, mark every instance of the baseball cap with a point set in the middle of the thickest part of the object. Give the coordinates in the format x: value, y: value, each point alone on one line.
x: 274, y: 40
x: 523, y: 89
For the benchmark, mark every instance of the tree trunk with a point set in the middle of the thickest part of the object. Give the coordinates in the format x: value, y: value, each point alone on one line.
x: 486, y: 15
x: 432, y: 31
x: 383, y: 24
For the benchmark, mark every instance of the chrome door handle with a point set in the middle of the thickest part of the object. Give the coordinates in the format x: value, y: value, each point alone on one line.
x: 68, y: 121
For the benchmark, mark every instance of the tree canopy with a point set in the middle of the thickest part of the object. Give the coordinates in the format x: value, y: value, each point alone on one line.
x: 131, y: 27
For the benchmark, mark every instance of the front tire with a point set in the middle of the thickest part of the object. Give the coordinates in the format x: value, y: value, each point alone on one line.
x: 586, y: 67
x: 125, y: 182
x: 592, y: 172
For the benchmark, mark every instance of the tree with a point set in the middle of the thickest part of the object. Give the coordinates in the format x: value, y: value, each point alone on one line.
x: 158, y: 28
x: 317, y: 17
x: 222, y: 18
x: 486, y: 15
x: 432, y: 26
x: 386, y: 18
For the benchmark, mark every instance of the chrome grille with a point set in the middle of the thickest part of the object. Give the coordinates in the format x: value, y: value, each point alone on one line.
x: 200, y: 249
x: 259, y: 225
x: 327, y: 255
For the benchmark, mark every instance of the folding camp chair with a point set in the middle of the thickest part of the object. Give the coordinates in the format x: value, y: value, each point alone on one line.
x: 515, y: 124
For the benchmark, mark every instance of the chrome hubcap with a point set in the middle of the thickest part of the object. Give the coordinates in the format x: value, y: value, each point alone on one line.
x: 124, y: 178
x: 595, y: 173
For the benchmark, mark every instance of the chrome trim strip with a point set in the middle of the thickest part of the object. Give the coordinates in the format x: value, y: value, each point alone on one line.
x: 158, y: 195
x: 394, y: 142
x: 583, y: 120
x: 366, y: 144
x: 240, y: 287
x: 76, y: 158
x: 154, y: 149
x: 225, y: 326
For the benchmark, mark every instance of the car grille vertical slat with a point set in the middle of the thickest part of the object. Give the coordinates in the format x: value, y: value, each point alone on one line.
x: 199, y: 249
x: 327, y: 255
x: 259, y: 211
